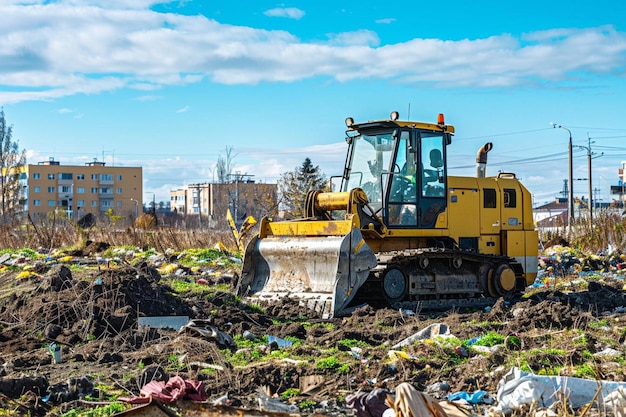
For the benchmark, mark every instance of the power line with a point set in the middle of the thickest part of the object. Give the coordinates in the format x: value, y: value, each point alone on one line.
x: 503, y: 134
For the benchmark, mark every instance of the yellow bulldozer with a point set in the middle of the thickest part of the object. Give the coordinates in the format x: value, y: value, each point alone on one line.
x: 399, y: 231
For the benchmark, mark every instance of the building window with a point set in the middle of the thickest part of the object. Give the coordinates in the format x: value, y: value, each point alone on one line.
x: 65, y: 176
x: 80, y: 203
x: 94, y: 190
x: 94, y: 203
x: 50, y: 176
x: 36, y: 203
x: 119, y: 178
x: 106, y: 203
x: 80, y: 190
x: 51, y: 203
x: 119, y: 204
x: 106, y: 190
x: 66, y: 189
x: 50, y: 189
x: 36, y: 175
x: 94, y: 177
x: 119, y: 191
x: 80, y: 176
x: 106, y: 177
x: 36, y: 189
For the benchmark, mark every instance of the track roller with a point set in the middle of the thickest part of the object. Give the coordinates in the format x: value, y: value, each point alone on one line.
x: 395, y: 285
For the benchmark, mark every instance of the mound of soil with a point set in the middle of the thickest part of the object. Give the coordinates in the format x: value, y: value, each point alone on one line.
x: 94, y: 317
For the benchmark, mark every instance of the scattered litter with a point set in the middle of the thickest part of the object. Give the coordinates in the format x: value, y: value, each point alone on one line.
x: 518, y: 389
x: 436, y: 329
x: 206, y: 330
x: 278, y: 342
x: 409, y: 402
x: 608, y: 353
x: 163, y: 322
x: 369, y: 404
x: 477, y: 397
x: 273, y: 404
x: 168, y: 392
x: 55, y: 351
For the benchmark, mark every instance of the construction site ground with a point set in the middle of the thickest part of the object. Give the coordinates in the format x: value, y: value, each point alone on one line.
x: 564, y: 325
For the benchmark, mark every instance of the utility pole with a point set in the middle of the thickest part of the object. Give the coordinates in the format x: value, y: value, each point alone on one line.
x: 590, y: 185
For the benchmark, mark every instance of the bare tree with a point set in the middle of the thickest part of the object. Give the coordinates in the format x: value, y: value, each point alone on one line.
x: 12, y: 162
x: 294, y: 185
x: 225, y: 165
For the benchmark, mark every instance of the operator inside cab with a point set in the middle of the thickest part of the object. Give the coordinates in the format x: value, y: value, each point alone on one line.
x: 418, y: 182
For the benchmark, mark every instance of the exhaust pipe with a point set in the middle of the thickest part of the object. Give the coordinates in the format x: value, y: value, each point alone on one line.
x: 481, y: 160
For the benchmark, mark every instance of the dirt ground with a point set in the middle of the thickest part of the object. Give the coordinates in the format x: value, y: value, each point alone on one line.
x: 93, y: 315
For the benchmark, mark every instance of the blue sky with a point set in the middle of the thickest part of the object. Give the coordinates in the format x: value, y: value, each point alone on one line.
x: 170, y: 85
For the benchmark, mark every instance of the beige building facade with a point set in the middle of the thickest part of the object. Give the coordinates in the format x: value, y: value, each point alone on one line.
x: 243, y: 198
x: 80, y: 189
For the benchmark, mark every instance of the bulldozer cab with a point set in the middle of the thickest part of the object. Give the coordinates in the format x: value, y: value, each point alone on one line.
x: 401, y: 169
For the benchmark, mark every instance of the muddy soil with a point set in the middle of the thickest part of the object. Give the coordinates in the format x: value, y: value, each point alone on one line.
x: 93, y: 316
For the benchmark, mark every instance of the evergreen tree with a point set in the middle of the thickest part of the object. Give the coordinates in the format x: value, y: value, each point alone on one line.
x: 12, y: 162
x: 294, y: 186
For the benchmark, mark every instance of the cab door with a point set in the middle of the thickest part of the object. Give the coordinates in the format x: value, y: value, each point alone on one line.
x: 401, y: 209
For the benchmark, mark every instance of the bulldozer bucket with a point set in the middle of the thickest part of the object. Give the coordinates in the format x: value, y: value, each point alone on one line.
x: 323, y: 271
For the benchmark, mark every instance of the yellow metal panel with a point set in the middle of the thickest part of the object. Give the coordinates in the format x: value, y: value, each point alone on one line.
x: 307, y: 228
x: 512, y: 217
x: 463, y: 217
x: 490, y: 217
x: 462, y: 182
x: 515, y: 243
x: 490, y: 244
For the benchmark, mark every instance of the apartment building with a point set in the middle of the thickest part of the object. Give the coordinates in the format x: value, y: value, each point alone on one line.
x: 243, y: 198
x: 80, y: 189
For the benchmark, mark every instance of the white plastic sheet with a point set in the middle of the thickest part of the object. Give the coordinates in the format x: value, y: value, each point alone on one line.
x: 518, y: 388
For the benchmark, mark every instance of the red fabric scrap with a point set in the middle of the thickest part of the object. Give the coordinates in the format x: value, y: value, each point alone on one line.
x: 168, y: 392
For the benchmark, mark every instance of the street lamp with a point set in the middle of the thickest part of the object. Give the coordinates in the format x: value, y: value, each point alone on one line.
x: 570, y: 185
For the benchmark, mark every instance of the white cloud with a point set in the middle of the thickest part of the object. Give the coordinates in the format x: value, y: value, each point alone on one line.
x: 183, y: 109
x: 290, y: 12
x: 51, y: 50
x: 385, y: 21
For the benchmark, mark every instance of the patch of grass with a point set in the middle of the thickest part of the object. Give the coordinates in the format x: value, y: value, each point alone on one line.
x: 599, y: 324
x: 254, y: 308
x: 350, y: 343
x: 586, y: 370
x: 490, y: 339
x: 183, y: 286
x: 329, y: 363
x: 550, y: 370
x: 174, y: 364
x: 103, y: 411
x: 326, y: 326
x: 306, y: 404
x: 289, y: 393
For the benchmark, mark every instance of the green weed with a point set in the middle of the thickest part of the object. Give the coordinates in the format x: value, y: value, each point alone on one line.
x: 289, y: 393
